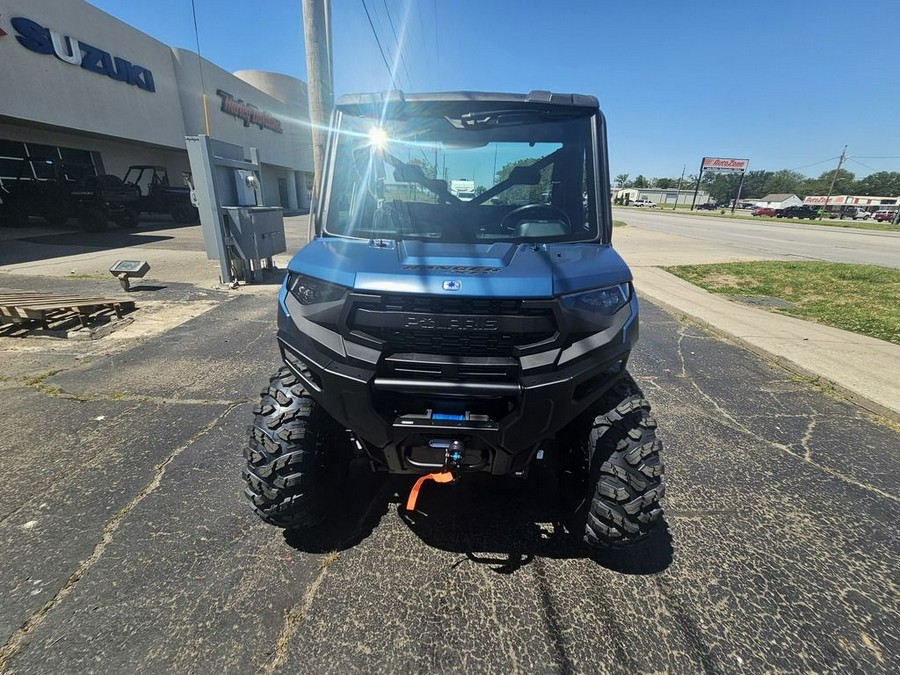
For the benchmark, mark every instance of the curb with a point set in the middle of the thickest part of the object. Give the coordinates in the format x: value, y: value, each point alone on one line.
x: 817, y: 380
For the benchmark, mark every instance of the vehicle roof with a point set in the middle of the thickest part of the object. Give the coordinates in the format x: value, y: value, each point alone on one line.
x: 361, y: 103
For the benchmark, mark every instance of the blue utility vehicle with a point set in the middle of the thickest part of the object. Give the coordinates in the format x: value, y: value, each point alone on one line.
x: 440, y: 336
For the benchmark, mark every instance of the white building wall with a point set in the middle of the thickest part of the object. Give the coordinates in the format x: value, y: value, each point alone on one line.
x: 274, y: 148
x: 44, y: 99
x: 44, y: 89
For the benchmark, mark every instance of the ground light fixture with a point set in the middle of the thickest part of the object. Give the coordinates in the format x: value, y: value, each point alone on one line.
x: 125, y: 270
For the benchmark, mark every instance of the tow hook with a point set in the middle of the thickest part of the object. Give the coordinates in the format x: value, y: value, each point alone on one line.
x: 453, y: 455
x: 452, y: 458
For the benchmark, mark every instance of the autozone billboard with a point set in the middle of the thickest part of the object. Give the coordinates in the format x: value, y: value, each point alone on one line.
x: 820, y: 199
x: 724, y: 165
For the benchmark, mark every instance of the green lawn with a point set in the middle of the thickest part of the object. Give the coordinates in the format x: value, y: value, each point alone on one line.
x: 860, y: 298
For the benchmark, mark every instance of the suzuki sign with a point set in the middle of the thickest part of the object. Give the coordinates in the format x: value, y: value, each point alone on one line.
x: 723, y: 165
x: 41, y: 40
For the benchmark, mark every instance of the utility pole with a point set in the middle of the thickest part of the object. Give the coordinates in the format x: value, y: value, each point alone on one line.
x: 740, y: 188
x: 833, y: 179
x: 678, y: 189
x: 317, y: 35
x: 697, y: 186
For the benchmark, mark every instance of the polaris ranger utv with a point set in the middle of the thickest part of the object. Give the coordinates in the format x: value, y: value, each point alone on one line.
x: 438, y: 336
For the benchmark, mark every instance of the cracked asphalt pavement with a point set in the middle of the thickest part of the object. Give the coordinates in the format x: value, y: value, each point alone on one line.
x: 126, y: 545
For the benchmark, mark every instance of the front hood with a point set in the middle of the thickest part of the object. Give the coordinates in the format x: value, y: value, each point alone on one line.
x: 468, y: 270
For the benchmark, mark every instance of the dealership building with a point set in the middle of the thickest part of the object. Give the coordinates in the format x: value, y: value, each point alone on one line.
x: 80, y: 85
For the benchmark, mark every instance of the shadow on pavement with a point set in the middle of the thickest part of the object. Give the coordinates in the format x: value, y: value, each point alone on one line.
x: 145, y: 288
x: 99, y: 240
x: 366, y: 499
x: 41, y: 241
x: 506, y: 523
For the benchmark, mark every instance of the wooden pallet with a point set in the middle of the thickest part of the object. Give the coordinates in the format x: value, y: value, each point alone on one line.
x: 20, y: 307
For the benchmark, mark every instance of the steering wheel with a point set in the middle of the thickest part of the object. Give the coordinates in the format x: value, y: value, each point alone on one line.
x: 511, y: 219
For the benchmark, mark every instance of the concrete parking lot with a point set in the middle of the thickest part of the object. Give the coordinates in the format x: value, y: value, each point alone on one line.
x: 125, y: 542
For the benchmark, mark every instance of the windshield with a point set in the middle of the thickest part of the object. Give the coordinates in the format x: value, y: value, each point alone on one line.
x: 478, y: 177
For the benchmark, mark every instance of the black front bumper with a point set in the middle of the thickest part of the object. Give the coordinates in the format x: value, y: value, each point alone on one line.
x: 403, y: 407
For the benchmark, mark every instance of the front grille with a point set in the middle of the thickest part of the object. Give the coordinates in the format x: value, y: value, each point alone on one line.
x: 453, y: 326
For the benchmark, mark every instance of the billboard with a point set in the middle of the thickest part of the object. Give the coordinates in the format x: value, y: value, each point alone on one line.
x: 820, y: 200
x: 724, y: 165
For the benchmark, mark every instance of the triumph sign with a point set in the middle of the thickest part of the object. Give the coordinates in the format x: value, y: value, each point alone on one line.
x: 723, y: 165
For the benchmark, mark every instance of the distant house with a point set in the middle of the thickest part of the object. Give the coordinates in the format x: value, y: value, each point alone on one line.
x: 779, y: 201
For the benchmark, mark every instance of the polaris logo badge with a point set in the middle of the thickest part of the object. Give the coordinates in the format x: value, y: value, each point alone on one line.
x: 452, y: 285
x: 451, y: 323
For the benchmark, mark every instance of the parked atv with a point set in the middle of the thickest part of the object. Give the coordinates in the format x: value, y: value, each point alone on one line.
x: 440, y: 337
x: 57, y: 191
x: 157, y: 196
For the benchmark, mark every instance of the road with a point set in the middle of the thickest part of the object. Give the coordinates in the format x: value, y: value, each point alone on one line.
x: 126, y: 544
x: 765, y: 238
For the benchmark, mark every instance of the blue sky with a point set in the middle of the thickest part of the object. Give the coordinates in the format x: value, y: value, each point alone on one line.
x: 786, y: 83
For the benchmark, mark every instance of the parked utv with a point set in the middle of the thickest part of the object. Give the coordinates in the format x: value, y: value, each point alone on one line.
x: 157, y: 196
x: 439, y: 337
x: 57, y: 191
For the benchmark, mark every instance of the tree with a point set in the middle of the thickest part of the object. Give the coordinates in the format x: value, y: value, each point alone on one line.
x: 844, y: 183
x: 881, y: 184
x: 784, y: 181
x: 622, y: 180
x: 665, y: 183
x: 640, y: 182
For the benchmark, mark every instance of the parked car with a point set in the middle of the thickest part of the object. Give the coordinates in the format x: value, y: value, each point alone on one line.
x: 649, y: 203
x: 853, y: 212
x: 885, y: 216
x: 797, y: 212
x: 763, y: 211
x: 708, y: 206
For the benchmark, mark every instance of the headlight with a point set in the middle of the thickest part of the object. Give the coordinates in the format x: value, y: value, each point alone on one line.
x: 309, y: 291
x: 606, y: 301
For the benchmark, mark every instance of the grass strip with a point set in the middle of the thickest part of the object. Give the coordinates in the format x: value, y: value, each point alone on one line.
x: 863, y: 299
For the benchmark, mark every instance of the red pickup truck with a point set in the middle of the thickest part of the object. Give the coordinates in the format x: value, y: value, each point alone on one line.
x: 885, y: 216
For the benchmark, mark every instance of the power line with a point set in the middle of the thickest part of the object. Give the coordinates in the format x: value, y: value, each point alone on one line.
x: 422, y: 35
x: 855, y: 161
x: 397, y: 42
x: 200, y: 65
x: 879, y: 156
x: 437, y: 43
x: 378, y: 42
x: 806, y: 166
